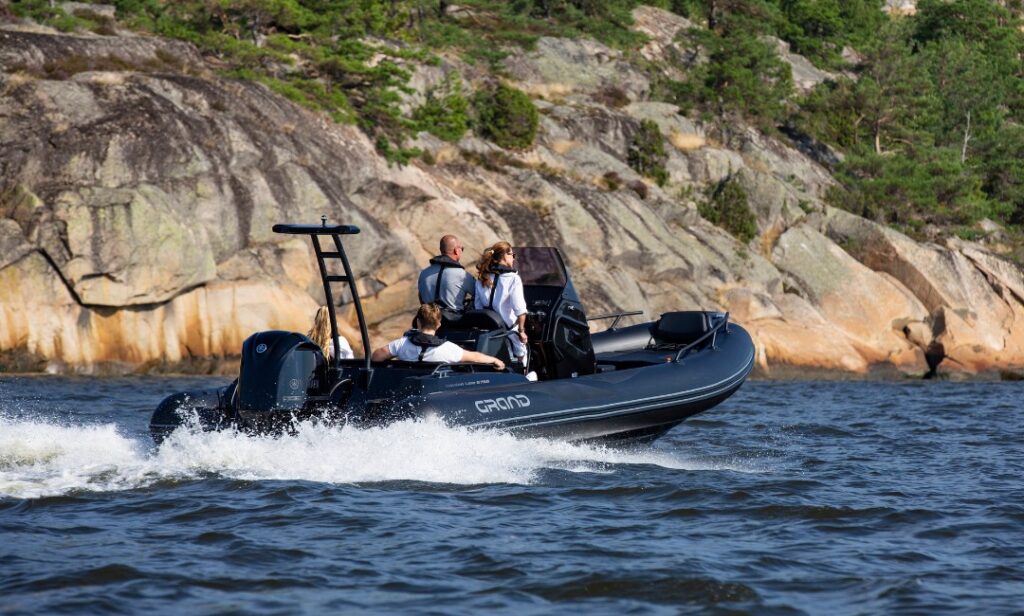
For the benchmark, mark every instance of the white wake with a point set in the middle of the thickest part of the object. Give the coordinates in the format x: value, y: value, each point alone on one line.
x: 39, y: 458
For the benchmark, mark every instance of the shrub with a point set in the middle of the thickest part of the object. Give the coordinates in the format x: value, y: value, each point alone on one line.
x: 395, y: 154
x: 647, y: 153
x: 446, y: 112
x: 506, y: 116
x: 639, y: 188
x: 612, y: 180
x: 726, y: 206
x: 612, y: 96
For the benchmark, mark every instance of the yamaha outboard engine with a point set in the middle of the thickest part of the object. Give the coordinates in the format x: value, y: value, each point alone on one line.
x: 280, y: 375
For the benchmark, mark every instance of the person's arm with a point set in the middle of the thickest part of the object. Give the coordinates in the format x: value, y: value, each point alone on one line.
x: 469, y: 291
x: 421, y: 284
x: 521, y: 322
x: 519, y: 307
x: 381, y: 354
x: 479, y: 298
x: 480, y: 358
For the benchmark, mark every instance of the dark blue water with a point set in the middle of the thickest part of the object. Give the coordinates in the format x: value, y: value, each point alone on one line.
x: 822, y: 498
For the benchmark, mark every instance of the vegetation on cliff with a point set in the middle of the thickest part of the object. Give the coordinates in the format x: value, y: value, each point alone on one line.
x: 925, y: 112
x: 647, y: 152
x: 506, y: 116
x: 726, y: 205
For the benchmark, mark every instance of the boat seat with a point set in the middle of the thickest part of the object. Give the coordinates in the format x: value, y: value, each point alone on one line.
x: 681, y: 327
x: 479, y: 320
x: 479, y: 330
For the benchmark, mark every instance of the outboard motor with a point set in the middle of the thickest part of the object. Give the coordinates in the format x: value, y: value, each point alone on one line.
x: 280, y: 374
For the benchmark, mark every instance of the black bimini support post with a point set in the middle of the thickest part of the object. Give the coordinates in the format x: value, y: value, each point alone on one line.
x: 335, y: 231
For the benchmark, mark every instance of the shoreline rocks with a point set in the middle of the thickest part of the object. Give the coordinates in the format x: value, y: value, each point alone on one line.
x: 137, y: 196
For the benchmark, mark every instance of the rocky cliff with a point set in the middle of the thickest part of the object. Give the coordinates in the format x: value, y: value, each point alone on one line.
x: 137, y: 192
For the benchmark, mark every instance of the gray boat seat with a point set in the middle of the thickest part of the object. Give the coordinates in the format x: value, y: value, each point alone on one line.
x: 681, y: 327
x: 479, y: 330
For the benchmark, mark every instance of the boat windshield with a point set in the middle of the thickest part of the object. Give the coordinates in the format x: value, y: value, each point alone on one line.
x: 540, y: 266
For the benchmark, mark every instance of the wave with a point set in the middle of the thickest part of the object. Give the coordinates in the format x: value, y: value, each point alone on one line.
x: 39, y: 458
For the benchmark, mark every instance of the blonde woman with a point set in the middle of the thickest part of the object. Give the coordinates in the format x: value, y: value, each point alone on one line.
x: 320, y: 334
x: 499, y: 288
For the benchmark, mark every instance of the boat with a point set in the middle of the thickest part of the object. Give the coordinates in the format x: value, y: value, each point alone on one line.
x: 621, y: 385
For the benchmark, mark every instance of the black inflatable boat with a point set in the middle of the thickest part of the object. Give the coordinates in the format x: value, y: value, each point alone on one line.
x: 623, y: 384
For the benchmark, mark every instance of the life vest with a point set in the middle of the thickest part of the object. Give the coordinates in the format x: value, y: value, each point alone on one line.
x: 424, y: 341
x: 445, y: 262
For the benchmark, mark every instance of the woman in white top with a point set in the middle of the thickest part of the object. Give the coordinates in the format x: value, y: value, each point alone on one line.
x: 423, y: 345
x: 320, y: 334
x: 499, y: 288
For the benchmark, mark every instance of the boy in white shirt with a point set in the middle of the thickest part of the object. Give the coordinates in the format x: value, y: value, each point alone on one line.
x: 423, y: 345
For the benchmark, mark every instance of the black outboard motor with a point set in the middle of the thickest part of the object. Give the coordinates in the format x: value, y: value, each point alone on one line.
x: 280, y: 375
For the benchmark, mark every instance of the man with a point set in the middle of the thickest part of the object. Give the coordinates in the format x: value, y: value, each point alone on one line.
x: 445, y: 282
x: 424, y: 345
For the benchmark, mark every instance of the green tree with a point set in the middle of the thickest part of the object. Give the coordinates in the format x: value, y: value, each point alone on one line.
x: 743, y: 75
x: 646, y: 153
x: 606, y: 20
x: 506, y: 116
x: 910, y: 191
x: 726, y: 205
x: 986, y: 26
x: 862, y: 20
x: 813, y: 27
x: 970, y: 92
x: 893, y: 93
x: 832, y: 113
x: 1000, y: 163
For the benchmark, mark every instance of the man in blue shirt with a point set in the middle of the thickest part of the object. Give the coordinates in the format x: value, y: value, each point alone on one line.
x: 445, y: 282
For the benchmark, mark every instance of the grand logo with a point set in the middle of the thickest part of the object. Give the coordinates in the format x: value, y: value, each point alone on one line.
x: 506, y: 403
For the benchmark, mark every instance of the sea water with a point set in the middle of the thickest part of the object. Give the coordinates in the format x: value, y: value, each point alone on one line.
x: 798, y: 497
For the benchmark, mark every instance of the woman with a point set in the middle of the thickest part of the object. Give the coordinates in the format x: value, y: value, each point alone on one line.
x: 500, y: 289
x: 320, y: 334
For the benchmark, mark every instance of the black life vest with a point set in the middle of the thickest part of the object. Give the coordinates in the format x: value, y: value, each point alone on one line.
x: 445, y: 262
x: 424, y: 341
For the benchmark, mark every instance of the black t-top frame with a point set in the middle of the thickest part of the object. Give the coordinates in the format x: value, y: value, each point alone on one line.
x: 335, y: 232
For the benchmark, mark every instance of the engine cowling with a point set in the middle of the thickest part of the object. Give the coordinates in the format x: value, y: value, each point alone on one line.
x: 279, y: 374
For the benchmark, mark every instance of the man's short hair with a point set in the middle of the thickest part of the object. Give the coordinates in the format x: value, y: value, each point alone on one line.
x: 428, y: 316
x: 448, y: 244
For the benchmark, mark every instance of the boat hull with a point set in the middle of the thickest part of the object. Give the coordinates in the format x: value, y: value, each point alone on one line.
x: 624, y: 402
x: 634, y: 404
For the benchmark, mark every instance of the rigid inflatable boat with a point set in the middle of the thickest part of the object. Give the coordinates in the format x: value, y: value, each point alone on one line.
x: 623, y: 384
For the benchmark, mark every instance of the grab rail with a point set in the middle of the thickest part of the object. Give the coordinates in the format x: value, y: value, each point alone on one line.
x: 443, y: 369
x: 615, y: 315
x: 712, y: 333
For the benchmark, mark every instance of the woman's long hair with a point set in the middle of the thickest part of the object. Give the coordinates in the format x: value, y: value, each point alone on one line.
x: 320, y: 333
x: 491, y: 258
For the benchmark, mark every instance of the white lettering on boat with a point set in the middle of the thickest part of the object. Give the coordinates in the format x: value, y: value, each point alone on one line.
x: 505, y: 403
